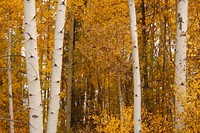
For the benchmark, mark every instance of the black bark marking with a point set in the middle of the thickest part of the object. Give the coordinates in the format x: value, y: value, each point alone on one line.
x: 26, y: 23
x: 55, y: 64
x: 31, y: 56
x: 181, y: 0
x: 10, y: 96
x: 62, y: 31
x: 33, y: 17
x: 35, y: 116
x: 180, y: 21
x: 31, y: 94
x: 183, y: 34
x: 63, y: 3
x: 36, y: 76
x: 30, y: 37
x: 59, y: 48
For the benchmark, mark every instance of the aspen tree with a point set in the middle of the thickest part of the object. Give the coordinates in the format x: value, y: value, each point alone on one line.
x: 56, y: 68
x: 10, y: 79
x: 34, y: 89
x: 136, y: 68
x: 180, y: 62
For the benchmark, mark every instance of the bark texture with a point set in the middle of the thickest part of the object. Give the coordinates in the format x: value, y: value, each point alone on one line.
x: 180, y: 62
x: 56, y: 68
x: 34, y: 89
x: 136, y: 68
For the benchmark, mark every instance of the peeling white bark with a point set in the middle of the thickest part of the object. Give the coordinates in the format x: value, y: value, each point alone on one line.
x: 136, y: 68
x: 180, y: 62
x: 34, y: 89
x: 56, y: 68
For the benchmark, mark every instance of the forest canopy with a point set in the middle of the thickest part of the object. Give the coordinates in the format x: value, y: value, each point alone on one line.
x: 85, y: 66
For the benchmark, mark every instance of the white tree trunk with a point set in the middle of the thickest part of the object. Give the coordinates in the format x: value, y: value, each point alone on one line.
x: 136, y: 68
x: 34, y: 89
x: 10, y: 80
x: 180, y: 63
x: 56, y: 68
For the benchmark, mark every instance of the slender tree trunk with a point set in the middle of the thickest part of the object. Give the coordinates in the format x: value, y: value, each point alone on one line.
x: 180, y: 62
x: 107, y: 77
x: 47, y: 74
x: 121, y: 102
x: 163, y: 27
x: 164, y: 68
x: 144, y: 43
x: 10, y: 79
x: 151, y: 55
x: 100, y: 96
x: 35, y: 103
x: 136, y: 68
x: 56, y: 68
x: 70, y: 72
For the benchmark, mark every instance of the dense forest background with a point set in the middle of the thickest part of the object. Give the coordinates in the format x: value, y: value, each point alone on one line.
x: 102, y: 65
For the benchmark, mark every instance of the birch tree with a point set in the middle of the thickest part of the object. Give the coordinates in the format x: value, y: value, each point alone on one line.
x: 136, y: 68
x: 34, y: 89
x: 180, y: 62
x: 56, y: 68
x: 10, y: 79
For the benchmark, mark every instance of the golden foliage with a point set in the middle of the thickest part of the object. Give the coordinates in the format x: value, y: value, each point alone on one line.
x: 102, y: 49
